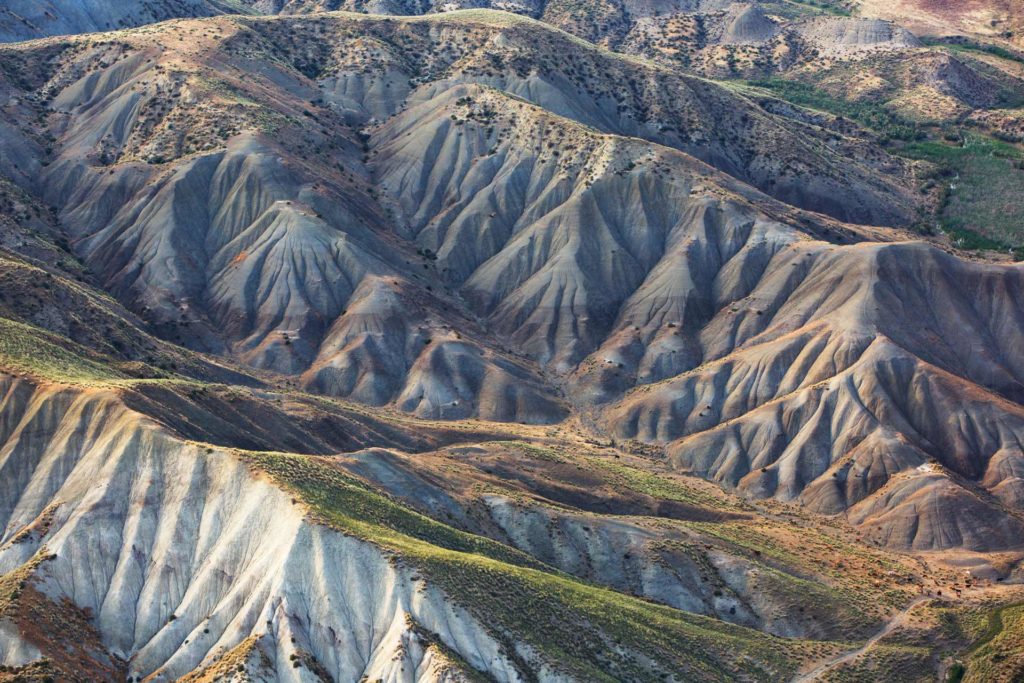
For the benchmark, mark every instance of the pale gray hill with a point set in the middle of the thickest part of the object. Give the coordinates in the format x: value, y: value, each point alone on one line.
x: 794, y: 162
x: 825, y: 399
x: 339, y: 346
x: 757, y: 40
x: 163, y: 600
x: 839, y: 35
x: 546, y: 227
x: 798, y: 163
x: 29, y: 19
x: 394, y: 343
x: 723, y: 279
x: 745, y: 24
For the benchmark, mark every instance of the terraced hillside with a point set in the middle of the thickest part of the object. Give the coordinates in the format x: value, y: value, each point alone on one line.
x: 455, y: 347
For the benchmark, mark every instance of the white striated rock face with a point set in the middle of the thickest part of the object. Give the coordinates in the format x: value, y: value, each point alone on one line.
x: 661, y: 561
x: 15, y: 650
x: 180, y: 553
x: 615, y: 552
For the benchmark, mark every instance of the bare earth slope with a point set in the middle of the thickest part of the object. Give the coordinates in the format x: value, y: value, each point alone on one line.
x: 297, y: 244
x: 992, y: 18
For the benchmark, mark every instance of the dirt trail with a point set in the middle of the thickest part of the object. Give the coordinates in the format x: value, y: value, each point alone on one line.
x: 886, y: 629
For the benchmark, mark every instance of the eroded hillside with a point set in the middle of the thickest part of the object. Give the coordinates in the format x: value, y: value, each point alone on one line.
x: 455, y: 347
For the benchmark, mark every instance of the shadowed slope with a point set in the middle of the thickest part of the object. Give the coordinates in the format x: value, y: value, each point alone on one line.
x: 825, y: 398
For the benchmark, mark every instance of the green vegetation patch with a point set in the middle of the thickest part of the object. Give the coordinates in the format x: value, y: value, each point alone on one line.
x: 834, y: 7
x: 595, y: 632
x: 982, y: 177
x: 533, y: 451
x: 886, y: 663
x: 968, y: 46
x: 651, y: 484
x: 29, y: 349
x: 868, y: 114
x: 998, y: 655
x: 826, y: 557
x: 347, y: 504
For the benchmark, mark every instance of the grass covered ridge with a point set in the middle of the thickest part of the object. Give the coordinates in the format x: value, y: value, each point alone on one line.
x: 663, y: 487
x: 28, y: 349
x: 348, y: 505
x: 998, y: 655
x: 860, y: 604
